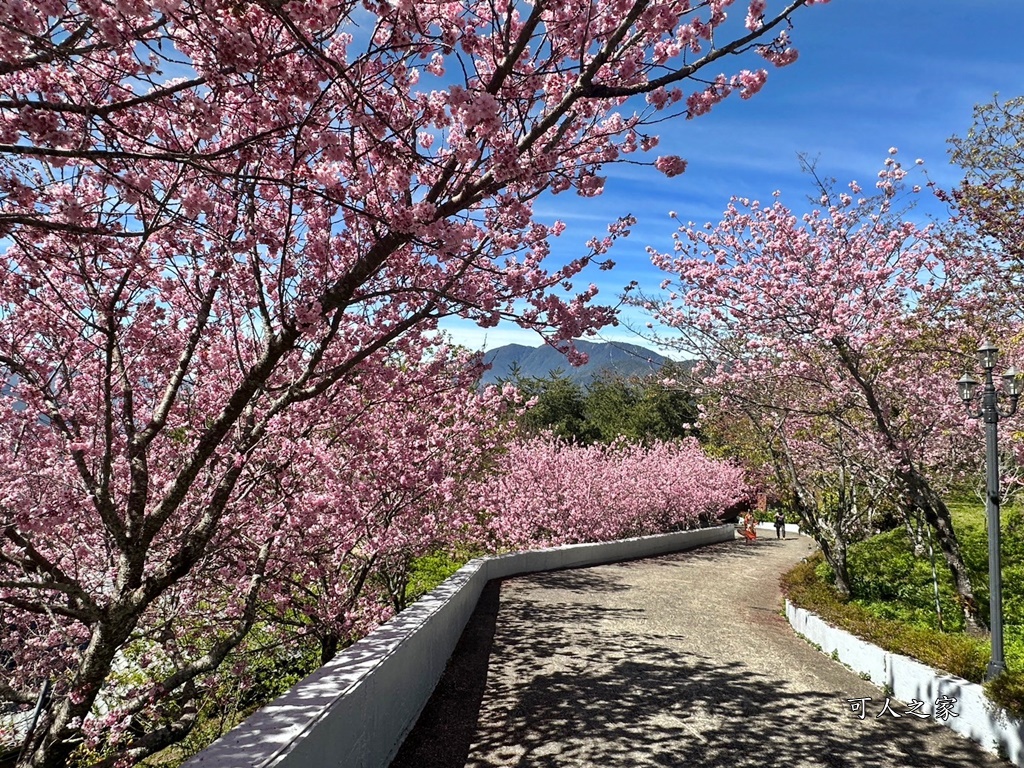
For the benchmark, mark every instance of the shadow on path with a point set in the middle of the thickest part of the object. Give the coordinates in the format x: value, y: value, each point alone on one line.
x: 447, y: 726
x: 556, y: 683
x: 581, y: 581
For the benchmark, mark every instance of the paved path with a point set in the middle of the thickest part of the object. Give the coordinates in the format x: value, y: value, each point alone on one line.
x: 683, y: 660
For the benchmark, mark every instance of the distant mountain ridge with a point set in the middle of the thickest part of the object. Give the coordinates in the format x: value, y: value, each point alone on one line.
x: 622, y: 359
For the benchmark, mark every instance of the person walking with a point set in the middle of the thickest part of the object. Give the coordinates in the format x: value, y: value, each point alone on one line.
x: 749, y: 527
x: 780, y: 525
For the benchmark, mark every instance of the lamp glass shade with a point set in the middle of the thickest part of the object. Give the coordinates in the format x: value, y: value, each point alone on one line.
x: 967, y: 385
x: 1011, y: 382
x: 987, y: 355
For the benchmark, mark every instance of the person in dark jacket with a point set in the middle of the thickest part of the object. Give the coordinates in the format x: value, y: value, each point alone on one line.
x: 780, y: 526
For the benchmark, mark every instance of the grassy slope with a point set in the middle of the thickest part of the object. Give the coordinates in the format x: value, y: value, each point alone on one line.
x: 894, y: 606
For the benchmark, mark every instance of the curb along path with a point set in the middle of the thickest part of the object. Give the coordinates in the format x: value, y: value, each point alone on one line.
x: 681, y: 660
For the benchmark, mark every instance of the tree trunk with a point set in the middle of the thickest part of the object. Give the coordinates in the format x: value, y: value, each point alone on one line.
x: 936, y: 514
x: 835, y: 556
x: 833, y: 548
x: 921, y: 494
x: 328, y: 648
x: 53, y: 743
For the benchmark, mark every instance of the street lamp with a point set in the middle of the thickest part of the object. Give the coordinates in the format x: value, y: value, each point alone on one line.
x: 990, y: 414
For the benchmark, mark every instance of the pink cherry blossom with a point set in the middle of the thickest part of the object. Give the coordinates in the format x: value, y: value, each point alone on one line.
x: 670, y: 165
x: 836, y: 334
x: 229, y: 233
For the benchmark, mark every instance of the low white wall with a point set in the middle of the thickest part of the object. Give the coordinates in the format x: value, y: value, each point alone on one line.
x: 356, y: 710
x: 978, y: 718
x: 791, y: 528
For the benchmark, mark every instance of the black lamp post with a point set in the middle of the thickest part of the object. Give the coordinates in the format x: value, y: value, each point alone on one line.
x: 990, y: 414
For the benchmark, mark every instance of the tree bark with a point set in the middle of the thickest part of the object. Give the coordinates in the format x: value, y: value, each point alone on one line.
x: 920, y: 492
x: 833, y: 548
x: 936, y: 514
x: 328, y: 647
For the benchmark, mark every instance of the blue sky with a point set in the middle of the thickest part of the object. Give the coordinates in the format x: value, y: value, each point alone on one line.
x: 872, y: 74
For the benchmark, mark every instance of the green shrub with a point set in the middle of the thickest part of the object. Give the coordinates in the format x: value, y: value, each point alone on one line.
x: 768, y: 515
x: 955, y: 654
x: 805, y: 587
x: 890, y: 582
x: 1007, y: 690
x: 893, y: 599
x: 428, y: 571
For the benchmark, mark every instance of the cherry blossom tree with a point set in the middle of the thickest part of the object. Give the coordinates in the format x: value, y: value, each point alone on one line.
x: 374, y: 499
x: 217, y: 216
x: 844, y: 315
x: 988, y: 203
x: 548, y: 491
x: 991, y: 195
x: 348, y: 488
x: 799, y: 458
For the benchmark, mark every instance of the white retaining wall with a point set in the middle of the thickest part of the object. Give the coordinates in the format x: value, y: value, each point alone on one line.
x: 355, y: 711
x: 978, y: 718
x: 791, y: 528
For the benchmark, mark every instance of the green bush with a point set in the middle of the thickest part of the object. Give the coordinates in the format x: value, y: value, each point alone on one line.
x: 428, y: 571
x: 806, y: 585
x: 890, y: 582
x: 1007, y: 690
x: 768, y: 515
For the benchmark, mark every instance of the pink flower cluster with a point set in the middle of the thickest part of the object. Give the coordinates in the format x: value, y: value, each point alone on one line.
x: 548, y: 492
x: 834, y: 319
x: 228, y: 234
x: 670, y: 165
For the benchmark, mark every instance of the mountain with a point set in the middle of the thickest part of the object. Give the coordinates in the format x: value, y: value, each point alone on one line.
x: 540, y: 362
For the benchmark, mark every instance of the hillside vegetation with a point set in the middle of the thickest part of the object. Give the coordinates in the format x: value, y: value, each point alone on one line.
x: 893, y: 599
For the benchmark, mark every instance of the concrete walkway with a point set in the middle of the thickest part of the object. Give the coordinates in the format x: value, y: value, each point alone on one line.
x: 683, y: 660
